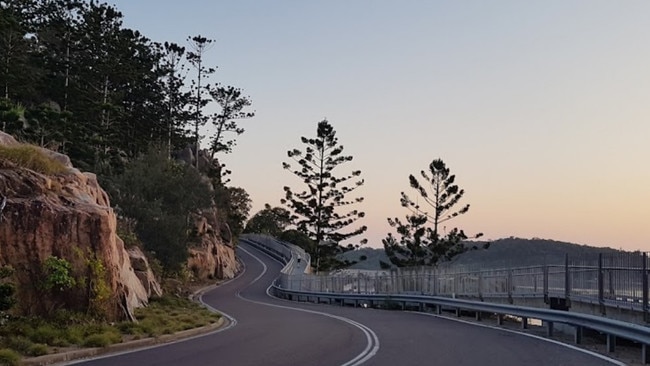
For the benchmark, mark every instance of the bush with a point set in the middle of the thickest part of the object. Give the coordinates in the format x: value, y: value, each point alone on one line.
x: 9, y: 357
x: 102, y: 339
x: 18, y: 343
x: 31, y: 157
x: 37, y: 350
x: 75, y: 334
x: 44, y: 334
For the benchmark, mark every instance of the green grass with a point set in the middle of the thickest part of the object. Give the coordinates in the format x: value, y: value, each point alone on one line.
x: 9, y: 357
x: 28, y: 337
x: 31, y: 157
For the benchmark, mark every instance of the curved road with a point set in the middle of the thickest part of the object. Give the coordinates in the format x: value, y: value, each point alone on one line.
x: 269, y: 331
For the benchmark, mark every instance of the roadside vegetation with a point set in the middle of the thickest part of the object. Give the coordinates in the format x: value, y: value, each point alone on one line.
x: 30, y: 337
x: 31, y: 157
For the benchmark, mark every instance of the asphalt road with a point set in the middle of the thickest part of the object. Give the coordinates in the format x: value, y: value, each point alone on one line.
x: 268, y: 331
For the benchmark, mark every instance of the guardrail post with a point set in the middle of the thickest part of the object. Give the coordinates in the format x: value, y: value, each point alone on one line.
x: 611, y: 343
x: 601, y: 285
x: 509, y: 284
x: 644, y: 281
x: 567, y: 281
x: 524, y: 323
x: 577, y: 336
x: 358, y: 282
x: 545, y: 270
x: 645, y: 354
x: 549, y: 329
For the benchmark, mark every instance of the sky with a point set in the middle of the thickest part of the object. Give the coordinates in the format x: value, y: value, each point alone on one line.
x: 540, y: 108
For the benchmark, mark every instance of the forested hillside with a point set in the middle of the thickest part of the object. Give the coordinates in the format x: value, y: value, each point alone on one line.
x: 131, y: 110
x: 499, y: 253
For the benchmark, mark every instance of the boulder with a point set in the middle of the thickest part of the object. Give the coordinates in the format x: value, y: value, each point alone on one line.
x: 67, y: 215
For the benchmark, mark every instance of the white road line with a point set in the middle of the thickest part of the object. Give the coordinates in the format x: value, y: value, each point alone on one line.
x: 594, y: 354
x: 231, y: 323
x: 372, y: 346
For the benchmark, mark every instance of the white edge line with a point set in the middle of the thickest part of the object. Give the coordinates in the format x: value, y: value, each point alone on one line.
x: 231, y: 320
x: 570, y: 346
x: 372, y: 346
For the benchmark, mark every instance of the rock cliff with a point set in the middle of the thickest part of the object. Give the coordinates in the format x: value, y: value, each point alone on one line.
x: 214, y: 256
x: 67, y: 215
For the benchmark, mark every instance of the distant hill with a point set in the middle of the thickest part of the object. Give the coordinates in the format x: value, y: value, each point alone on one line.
x: 500, y: 253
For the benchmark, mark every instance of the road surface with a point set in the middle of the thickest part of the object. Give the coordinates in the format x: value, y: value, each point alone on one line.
x: 268, y: 331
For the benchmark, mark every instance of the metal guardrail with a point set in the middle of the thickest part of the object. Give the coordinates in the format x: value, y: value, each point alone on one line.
x: 612, y: 328
x: 295, y: 259
x: 292, y: 282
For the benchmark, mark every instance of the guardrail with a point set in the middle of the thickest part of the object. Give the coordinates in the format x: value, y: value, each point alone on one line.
x: 612, y: 328
x: 613, y: 285
x: 293, y: 280
x: 295, y: 259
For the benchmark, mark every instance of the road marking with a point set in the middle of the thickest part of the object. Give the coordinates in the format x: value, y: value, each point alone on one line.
x: 231, y: 323
x: 594, y: 354
x: 372, y: 345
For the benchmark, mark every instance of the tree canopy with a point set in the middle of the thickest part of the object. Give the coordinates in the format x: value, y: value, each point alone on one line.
x: 421, y: 242
x: 321, y: 209
x: 75, y: 80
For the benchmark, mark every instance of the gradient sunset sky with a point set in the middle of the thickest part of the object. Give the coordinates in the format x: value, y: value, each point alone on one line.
x: 540, y: 108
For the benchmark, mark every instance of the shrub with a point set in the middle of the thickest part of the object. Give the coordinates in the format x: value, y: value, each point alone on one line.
x: 58, y: 275
x: 37, y: 349
x: 44, y: 334
x: 75, y: 334
x: 18, y: 343
x: 102, y: 339
x: 31, y: 157
x: 9, y: 357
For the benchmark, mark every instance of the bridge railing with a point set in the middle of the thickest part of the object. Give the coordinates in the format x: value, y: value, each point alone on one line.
x: 620, y: 280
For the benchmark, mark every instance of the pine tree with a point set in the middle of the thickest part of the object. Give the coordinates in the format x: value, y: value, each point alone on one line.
x: 315, y: 210
x: 200, y: 45
x: 420, y: 244
x: 176, y: 99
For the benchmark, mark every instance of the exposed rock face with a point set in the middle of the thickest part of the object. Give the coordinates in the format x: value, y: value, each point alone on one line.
x: 68, y: 216
x: 143, y: 271
x: 215, y: 256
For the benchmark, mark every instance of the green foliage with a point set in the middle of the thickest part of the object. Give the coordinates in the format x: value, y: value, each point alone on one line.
x: 420, y: 244
x: 102, y: 339
x: 37, y: 350
x: 169, y: 314
x: 100, y: 291
x: 232, y: 103
x: 126, y: 232
x: 17, y: 343
x: 45, y: 333
x: 31, y: 157
x: 315, y: 210
x: 300, y: 239
x: 7, y: 289
x: 9, y: 357
x: 85, y: 85
x: 199, y: 45
x: 58, y: 275
x: 269, y: 221
x: 234, y: 204
x: 161, y: 195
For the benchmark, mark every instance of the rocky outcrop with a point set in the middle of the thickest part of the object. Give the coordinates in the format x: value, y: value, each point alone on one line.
x: 67, y: 215
x: 140, y: 265
x: 214, y: 255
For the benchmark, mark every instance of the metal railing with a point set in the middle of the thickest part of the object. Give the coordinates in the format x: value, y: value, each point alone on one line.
x: 622, y: 278
x: 619, y: 281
